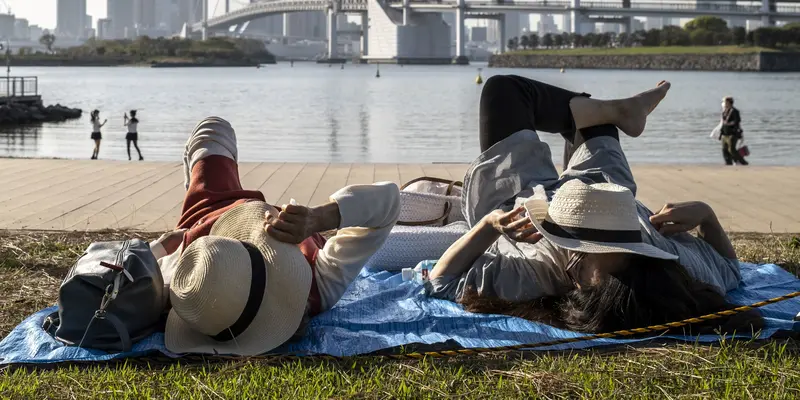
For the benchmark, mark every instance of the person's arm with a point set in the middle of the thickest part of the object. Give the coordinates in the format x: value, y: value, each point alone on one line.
x: 167, y: 244
x: 463, y: 253
x: 366, y: 216
x: 683, y: 217
x: 104, y: 123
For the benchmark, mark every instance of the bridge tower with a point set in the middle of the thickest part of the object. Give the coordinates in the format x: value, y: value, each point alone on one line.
x: 768, y: 6
x: 461, y: 11
x: 333, y: 40
x: 364, y: 33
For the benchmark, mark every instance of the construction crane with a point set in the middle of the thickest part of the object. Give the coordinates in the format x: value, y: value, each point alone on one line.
x: 5, y: 6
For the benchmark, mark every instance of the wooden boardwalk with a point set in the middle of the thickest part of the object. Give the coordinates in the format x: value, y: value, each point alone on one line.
x: 94, y: 195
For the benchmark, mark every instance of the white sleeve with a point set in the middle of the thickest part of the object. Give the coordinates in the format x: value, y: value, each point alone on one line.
x: 158, y: 250
x: 368, y: 213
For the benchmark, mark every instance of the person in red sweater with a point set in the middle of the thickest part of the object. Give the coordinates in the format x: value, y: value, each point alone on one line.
x: 221, y: 220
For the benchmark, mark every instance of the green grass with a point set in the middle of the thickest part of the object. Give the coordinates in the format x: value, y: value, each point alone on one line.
x: 32, y: 265
x: 648, y: 50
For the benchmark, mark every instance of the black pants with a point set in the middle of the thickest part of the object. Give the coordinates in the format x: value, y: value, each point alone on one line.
x: 729, y: 152
x: 511, y: 103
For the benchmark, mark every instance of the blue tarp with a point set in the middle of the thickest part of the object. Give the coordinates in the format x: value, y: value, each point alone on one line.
x: 379, y: 311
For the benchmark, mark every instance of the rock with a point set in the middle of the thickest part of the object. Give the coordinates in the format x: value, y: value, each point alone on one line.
x: 17, y: 114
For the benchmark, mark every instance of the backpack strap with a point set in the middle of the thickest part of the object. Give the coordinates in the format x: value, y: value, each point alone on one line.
x: 122, y: 331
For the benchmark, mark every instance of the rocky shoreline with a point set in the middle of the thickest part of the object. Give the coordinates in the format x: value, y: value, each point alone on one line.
x: 18, y: 114
x: 752, y: 62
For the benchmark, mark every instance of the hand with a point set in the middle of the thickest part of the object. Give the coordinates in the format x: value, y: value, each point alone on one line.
x: 513, y: 226
x: 681, y: 217
x: 292, y: 225
x: 172, y: 240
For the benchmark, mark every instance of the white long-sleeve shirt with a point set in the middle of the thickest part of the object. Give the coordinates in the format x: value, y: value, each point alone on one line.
x: 368, y: 213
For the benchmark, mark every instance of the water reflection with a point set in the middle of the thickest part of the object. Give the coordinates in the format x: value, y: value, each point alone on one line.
x: 20, y: 141
x: 363, y: 131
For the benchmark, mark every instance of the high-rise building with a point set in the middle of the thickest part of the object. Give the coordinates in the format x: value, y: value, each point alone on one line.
x: 190, y: 11
x: 22, y: 30
x: 104, y: 29
x: 70, y: 18
x: 7, y: 22
x: 144, y: 14
x: 120, y: 12
x: 307, y: 24
x: 546, y: 25
x: 35, y: 32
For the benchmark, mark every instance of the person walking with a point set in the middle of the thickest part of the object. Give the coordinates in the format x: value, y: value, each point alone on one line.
x: 731, y: 133
x: 96, y: 135
x: 133, y: 134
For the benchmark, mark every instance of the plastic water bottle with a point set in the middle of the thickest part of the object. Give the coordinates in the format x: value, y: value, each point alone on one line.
x: 419, y: 274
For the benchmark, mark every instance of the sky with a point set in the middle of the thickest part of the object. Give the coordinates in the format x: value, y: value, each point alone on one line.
x: 43, y: 12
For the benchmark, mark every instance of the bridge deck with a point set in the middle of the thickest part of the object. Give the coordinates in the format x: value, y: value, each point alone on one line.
x: 94, y: 195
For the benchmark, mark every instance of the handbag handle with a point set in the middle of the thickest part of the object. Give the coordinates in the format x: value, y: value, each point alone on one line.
x: 450, y: 184
x: 447, y: 206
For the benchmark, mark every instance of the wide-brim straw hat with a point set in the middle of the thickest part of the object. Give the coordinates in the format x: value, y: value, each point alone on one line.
x: 237, y: 291
x: 596, y: 218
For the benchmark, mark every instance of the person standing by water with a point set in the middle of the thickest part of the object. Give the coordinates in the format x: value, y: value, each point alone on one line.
x: 96, y: 135
x: 731, y: 133
x: 133, y: 134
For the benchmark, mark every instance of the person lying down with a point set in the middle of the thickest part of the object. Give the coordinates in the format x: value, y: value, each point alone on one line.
x: 244, y: 276
x: 577, y: 250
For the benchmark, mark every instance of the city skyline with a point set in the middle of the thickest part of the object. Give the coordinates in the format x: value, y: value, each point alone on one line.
x: 32, y: 10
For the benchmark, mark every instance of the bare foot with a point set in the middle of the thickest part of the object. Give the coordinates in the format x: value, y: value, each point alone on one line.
x: 633, y: 111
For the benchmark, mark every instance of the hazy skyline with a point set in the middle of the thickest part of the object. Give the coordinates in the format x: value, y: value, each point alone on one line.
x: 43, y: 12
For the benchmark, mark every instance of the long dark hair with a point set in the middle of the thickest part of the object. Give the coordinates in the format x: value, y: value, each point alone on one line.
x: 94, y: 114
x: 648, y: 292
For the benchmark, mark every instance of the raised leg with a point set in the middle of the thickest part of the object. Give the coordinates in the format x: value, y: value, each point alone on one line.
x: 212, y: 173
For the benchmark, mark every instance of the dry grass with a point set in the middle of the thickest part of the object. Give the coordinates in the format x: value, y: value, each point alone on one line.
x: 32, y: 265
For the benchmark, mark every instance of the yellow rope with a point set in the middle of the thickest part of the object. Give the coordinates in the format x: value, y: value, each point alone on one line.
x: 609, y: 335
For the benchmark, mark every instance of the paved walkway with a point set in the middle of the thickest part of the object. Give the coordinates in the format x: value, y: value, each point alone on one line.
x: 93, y: 195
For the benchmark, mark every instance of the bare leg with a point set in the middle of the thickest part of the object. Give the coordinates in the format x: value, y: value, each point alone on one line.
x: 129, y: 150
x: 96, y: 151
x: 629, y: 115
x: 136, y: 144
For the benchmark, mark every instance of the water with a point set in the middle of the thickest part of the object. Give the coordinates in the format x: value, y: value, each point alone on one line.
x: 313, y: 113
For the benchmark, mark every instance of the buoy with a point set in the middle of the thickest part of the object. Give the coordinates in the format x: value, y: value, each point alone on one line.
x: 378, y: 72
x: 562, y: 70
x: 479, y: 78
x: 342, y: 66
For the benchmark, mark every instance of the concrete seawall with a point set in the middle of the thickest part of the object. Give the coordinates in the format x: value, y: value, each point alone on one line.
x: 754, y: 62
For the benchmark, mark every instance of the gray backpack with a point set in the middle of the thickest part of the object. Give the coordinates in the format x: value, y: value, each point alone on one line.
x: 113, y: 296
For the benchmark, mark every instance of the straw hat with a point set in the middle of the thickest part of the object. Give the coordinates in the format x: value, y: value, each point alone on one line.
x: 597, y: 218
x: 237, y: 291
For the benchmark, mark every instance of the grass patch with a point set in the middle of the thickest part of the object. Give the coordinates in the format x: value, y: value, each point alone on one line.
x: 32, y: 265
x: 589, y: 51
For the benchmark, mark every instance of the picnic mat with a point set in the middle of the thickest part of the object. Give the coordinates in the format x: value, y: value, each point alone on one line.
x: 380, y: 311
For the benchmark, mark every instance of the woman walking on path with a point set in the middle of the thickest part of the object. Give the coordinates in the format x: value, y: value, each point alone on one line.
x: 133, y: 134
x: 96, y: 135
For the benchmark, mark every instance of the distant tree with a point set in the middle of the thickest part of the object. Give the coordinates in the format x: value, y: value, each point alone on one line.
x: 512, y: 44
x: 533, y: 39
x: 566, y: 38
x: 524, y: 42
x: 674, y: 36
x: 638, y: 37
x: 623, y: 39
x: 547, y: 40
x: 702, y: 37
x: 48, y: 40
x: 558, y: 41
x: 577, y: 40
x: 708, y: 23
x: 652, y: 38
x: 739, y: 35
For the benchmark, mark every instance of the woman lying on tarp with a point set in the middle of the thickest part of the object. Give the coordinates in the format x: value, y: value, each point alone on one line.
x: 577, y: 251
